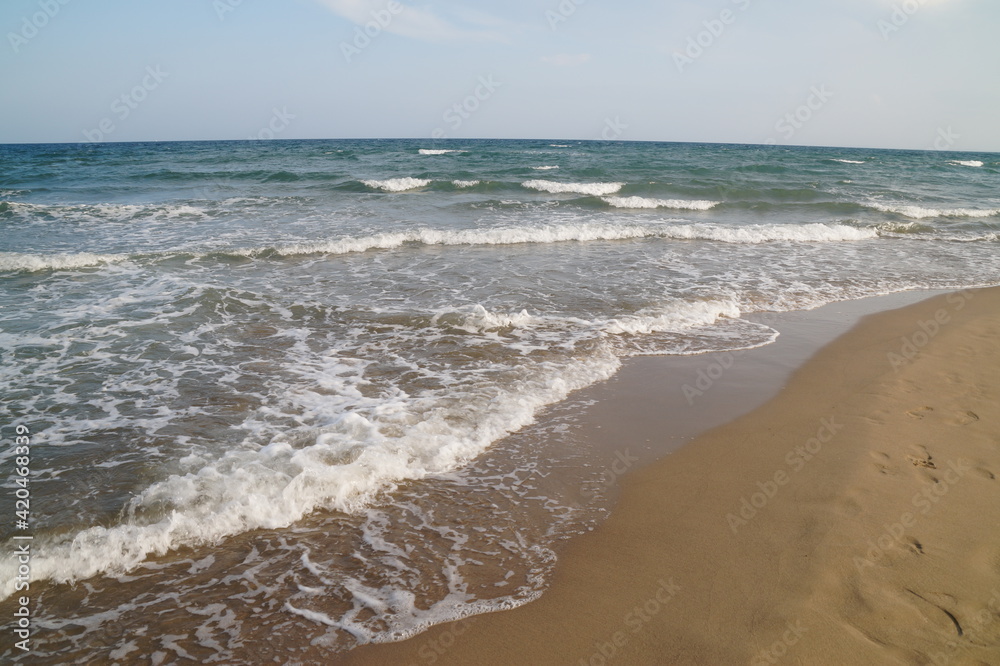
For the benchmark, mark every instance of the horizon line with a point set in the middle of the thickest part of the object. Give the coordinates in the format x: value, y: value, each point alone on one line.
x: 452, y: 140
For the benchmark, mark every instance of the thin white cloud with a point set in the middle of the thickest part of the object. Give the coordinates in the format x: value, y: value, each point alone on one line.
x: 566, y: 59
x: 420, y: 23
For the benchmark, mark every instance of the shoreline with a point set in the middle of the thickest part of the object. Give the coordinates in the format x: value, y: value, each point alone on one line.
x: 809, y: 529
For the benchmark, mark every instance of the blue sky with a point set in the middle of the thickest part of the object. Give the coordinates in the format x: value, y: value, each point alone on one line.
x: 869, y: 73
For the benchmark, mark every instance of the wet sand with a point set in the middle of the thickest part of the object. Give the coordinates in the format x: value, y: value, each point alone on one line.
x: 853, y: 518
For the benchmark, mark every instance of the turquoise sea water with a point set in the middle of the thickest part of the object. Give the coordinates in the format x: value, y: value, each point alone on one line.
x: 268, y: 381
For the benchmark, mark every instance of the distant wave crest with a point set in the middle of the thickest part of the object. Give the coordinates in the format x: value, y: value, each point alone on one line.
x: 919, y: 212
x: 762, y: 233
x: 397, y: 184
x: 593, y: 189
x: 643, y: 202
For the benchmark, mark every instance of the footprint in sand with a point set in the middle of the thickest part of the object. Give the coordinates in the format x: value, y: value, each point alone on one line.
x: 964, y: 418
x: 920, y: 412
x: 938, y: 602
x: 985, y: 473
x: 915, y: 546
x: 921, y: 462
x: 877, y: 418
x: 882, y: 462
x: 922, y: 459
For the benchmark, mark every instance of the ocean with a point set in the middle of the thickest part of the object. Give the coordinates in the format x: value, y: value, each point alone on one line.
x: 301, y: 395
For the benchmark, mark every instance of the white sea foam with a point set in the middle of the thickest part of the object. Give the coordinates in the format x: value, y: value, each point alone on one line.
x: 104, y: 212
x: 397, y: 184
x: 480, y: 320
x: 849, y: 161
x: 544, y: 168
x: 16, y: 261
x: 593, y: 189
x: 407, y: 618
x: 435, y: 151
x: 557, y: 233
x: 583, y: 231
x: 343, y: 460
x: 919, y: 212
x: 643, y: 202
x: 341, y: 463
x: 676, y: 316
x: 465, y: 183
x: 767, y: 233
x: 968, y: 163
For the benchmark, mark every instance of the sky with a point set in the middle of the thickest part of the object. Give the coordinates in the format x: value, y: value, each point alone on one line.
x: 917, y: 74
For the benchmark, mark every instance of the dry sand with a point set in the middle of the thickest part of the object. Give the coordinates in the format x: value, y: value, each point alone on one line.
x: 853, y: 519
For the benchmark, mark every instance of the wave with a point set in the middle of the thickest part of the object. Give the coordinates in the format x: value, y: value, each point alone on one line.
x: 968, y: 163
x: 593, y: 189
x: 581, y: 232
x: 343, y: 465
x: 919, y: 212
x: 560, y: 233
x: 16, y: 261
x: 904, y: 228
x: 847, y: 161
x: 103, y: 212
x: 544, y: 168
x: 642, y: 202
x: 465, y: 183
x: 676, y: 316
x: 220, y: 177
x: 397, y: 184
x: 349, y: 461
x: 434, y: 151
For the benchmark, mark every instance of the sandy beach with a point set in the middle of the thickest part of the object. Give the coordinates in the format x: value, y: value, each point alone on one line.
x: 854, y: 518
